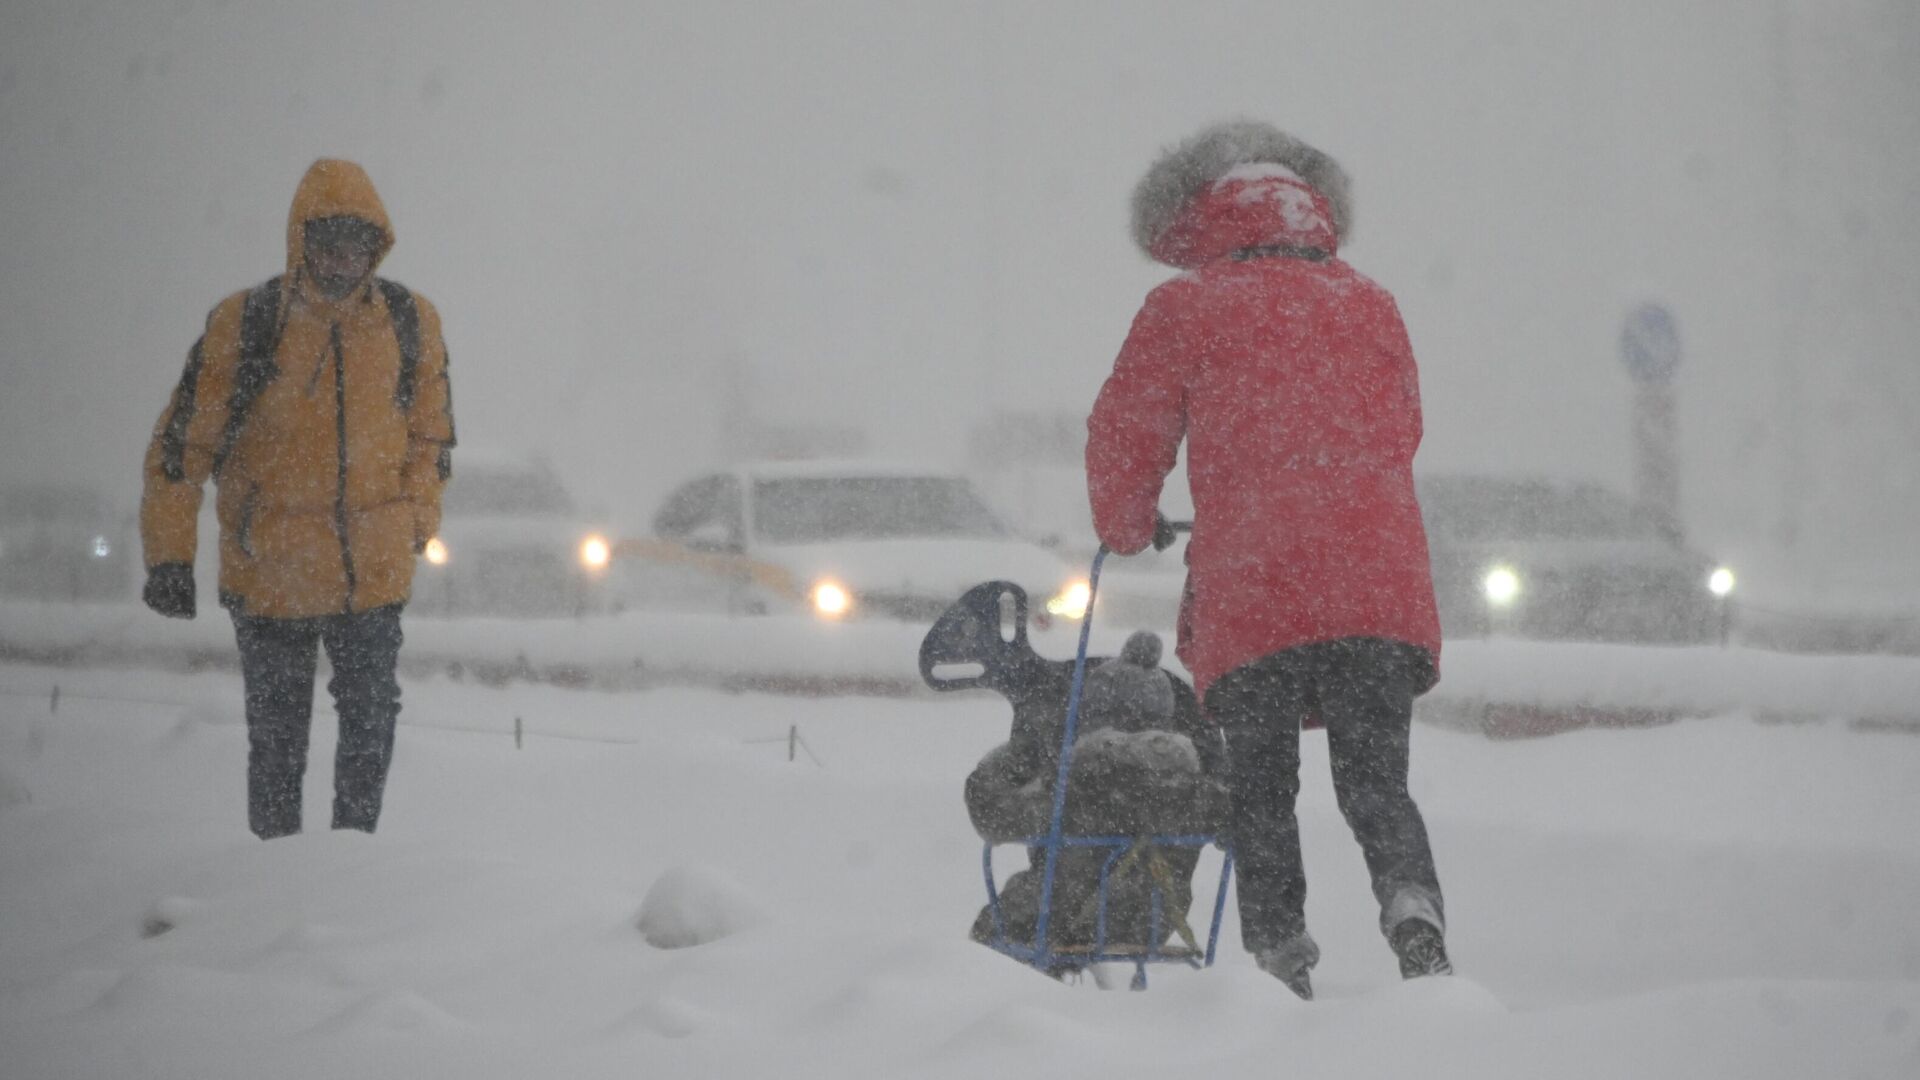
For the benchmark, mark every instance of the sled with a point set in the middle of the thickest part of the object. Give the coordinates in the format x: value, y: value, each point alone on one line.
x: 971, y: 635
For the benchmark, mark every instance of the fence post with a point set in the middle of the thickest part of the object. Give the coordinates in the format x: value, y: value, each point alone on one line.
x: 793, y: 738
x: 518, y: 734
x: 53, y: 705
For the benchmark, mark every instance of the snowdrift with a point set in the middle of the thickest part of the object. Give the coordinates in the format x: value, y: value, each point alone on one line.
x: 1500, y: 687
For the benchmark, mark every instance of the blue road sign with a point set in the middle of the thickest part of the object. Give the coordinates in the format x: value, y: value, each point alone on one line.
x: 1650, y: 343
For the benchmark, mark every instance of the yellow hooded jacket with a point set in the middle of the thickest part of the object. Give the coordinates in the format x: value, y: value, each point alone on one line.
x: 333, y: 482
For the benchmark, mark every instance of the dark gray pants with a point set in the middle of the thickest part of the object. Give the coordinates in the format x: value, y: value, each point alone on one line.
x: 1362, y: 689
x: 278, y: 658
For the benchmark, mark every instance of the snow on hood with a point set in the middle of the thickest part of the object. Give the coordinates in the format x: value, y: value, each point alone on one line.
x: 481, y: 533
x: 934, y: 567
x: 1267, y: 209
x: 1233, y: 153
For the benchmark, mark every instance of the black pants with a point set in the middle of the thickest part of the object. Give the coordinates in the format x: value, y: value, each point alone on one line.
x: 277, y: 662
x: 1363, y: 690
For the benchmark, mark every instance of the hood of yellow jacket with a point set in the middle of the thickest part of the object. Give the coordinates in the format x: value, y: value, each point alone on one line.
x: 334, y: 188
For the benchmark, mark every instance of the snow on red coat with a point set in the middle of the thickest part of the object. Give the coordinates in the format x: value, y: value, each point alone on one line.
x: 1293, y: 380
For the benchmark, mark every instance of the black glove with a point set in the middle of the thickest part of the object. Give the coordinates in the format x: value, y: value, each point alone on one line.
x: 1163, y: 534
x: 169, y: 590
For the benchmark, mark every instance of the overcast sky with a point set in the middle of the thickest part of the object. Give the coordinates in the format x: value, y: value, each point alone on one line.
x: 901, y: 216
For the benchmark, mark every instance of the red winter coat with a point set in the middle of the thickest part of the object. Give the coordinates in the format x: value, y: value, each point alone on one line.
x: 1294, y: 381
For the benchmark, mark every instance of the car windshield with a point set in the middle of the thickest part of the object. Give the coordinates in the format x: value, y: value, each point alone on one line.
x: 809, y: 510
x: 505, y: 494
x: 1485, y: 509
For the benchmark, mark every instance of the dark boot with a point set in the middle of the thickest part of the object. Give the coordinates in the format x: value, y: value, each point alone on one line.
x: 1298, y: 977
x: 1421, y: 949
x: 1291, y: 962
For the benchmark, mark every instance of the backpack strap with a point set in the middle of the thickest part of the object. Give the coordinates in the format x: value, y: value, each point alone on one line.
x: 173, y: 438
x: 406, y: 331
x: 404, y: 312
x: 259, y: 339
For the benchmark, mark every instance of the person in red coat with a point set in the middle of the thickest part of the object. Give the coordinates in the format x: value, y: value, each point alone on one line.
x: 1309, y: 597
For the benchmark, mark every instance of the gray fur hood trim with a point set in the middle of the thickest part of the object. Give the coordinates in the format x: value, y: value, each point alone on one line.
x: 1184, y: 170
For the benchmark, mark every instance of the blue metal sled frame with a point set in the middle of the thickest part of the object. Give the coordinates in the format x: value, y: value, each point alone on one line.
x: 1041, y: 954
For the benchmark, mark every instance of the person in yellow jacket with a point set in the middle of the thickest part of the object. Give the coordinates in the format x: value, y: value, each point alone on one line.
x: 319, y: 404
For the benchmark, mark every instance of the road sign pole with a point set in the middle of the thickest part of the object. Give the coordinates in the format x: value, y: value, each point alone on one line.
x: 1650, y: 349
x: 1656, y: 464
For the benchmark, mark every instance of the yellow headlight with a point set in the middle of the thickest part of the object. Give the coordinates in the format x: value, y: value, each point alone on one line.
x: 595, y: 553
x: 1071, y: 602
x: 436, y: 552
x: 831, y: 600
x: 1502, y: 585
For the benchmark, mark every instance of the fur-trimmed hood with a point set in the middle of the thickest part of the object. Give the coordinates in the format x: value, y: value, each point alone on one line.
x: 1175, y: 184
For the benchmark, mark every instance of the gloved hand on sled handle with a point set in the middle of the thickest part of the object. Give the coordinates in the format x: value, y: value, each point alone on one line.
x: 1163, y: 534
x: 169, y: 590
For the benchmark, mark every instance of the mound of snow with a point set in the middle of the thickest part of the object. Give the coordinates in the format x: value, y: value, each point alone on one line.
x: 391, y: 1012
x: 196, y: 718
x: 166, y: 913
x: 667, y: 1017
x: 693, y: 905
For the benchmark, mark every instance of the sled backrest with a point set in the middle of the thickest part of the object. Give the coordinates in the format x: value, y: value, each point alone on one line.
x: 973, y: 633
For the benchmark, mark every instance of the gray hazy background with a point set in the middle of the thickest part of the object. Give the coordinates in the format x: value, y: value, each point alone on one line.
x: 902, y: 216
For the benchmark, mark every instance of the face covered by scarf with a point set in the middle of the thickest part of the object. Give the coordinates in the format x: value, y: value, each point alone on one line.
x: 340, y: 253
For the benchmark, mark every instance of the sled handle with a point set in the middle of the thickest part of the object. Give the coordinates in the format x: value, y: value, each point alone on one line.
x: 1056, y: 824
x: 1058, y: 819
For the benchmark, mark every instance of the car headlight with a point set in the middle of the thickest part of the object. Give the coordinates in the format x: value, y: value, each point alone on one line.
x: 1721, y: 582
x: 830, y: 599
x: 1502, y: 586
x: 1071, y: 602
x: 595, y: 552
x: 435, y: 551
x: 101, y: 547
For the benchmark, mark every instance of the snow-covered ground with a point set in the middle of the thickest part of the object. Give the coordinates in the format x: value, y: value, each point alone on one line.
x: 1710, y: 898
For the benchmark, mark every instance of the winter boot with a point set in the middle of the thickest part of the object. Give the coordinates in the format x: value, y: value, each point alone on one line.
x: 1421, y: 949
x: 1291, y: 963
x: 1296, y: 979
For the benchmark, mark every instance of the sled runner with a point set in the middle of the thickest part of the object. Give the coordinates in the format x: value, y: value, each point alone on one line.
x: 1115, y: 892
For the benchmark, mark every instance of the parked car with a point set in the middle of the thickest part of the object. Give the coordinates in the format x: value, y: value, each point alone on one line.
x: 512, y: 543
x: 61, y: 542
x: 1514, y: 557
x: 841, y: 540
x: 1546, y: 559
